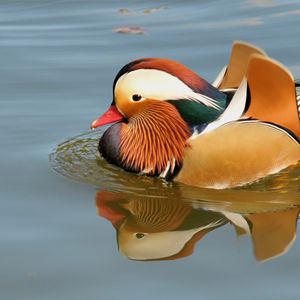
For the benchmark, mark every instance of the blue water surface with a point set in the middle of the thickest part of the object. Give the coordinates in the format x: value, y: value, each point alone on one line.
x: 58, y: 61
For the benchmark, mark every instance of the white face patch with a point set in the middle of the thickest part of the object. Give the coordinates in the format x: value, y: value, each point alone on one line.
x: 157, y: 85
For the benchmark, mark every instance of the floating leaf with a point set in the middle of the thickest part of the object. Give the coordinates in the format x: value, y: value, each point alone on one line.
x: 124, y: 11
x: 130, y: 30
x: 154, y: 9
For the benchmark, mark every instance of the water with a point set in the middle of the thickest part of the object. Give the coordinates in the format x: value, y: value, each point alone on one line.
x: 58, y: 61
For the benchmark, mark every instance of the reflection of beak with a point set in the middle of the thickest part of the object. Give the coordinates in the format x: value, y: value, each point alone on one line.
x: 110, y: 116
x: 108, y: 208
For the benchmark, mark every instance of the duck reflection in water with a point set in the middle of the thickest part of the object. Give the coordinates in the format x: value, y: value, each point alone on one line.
x: 159, y: 227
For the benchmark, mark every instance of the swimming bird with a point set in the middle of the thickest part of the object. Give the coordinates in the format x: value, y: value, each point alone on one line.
x: 163, y: 226
x: 171, y: 123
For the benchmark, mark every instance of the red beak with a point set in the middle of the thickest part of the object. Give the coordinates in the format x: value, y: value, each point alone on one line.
x: 111, y: 116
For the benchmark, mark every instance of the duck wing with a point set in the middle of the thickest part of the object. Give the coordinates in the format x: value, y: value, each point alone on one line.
x: 232, y: 75
x: 257, y: 135
x: 272, y: 94
x: 268, y: 94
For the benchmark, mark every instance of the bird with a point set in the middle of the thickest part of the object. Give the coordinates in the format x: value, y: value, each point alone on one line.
x: 163, y: 226
x: 155, y: 227
x: 171, y: 123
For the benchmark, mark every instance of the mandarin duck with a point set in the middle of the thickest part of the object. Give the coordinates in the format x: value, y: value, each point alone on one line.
x: 161, y: 226
x: 155, y: 228
x: 171, y: 123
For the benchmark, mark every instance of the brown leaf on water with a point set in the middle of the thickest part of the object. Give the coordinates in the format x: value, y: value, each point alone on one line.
x: 124, y: 11
x: 130, y: 30
x: 154, y: 9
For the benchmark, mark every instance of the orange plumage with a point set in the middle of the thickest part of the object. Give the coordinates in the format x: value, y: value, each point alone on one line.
x: 149, y: 142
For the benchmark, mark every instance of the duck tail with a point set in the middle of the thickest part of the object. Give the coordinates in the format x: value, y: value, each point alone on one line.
x: 272, y: 94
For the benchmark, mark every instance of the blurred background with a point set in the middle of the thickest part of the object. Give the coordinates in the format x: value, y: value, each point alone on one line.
x: 58, y: 60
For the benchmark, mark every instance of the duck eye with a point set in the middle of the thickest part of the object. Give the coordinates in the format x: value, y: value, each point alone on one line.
x: 139, y: 235
x: 136, y: 97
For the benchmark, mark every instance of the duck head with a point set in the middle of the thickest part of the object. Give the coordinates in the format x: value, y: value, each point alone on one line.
x: 157, y: 104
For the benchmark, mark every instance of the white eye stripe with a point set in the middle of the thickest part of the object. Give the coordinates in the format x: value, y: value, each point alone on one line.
x: 159, y: 85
